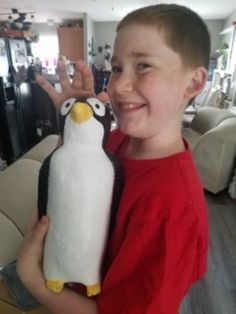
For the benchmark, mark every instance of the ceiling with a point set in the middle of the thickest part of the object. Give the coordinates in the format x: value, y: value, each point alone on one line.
x: 107, y: 10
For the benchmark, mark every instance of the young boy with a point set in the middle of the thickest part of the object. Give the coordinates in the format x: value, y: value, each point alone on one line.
x: 158, y: 247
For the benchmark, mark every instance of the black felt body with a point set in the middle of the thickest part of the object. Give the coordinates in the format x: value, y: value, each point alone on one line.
x: 43, y: 183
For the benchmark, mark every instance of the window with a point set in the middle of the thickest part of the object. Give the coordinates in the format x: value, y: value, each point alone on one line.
x: 46, y: 50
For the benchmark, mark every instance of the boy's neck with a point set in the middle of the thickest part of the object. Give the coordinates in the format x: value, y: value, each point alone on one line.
x: 153, y: 148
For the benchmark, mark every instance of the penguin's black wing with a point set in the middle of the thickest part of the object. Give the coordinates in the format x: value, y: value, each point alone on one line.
x: 117, y: 188
x: 43, y: 186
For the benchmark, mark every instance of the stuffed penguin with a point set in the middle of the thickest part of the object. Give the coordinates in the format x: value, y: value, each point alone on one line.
x: 78, y: 188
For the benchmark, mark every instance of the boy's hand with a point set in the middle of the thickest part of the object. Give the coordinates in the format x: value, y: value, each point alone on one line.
x: 29, y: 263
x: 29, y: 270
x: 81, y: 85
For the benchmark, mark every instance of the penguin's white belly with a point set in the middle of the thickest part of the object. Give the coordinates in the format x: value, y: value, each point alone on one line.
x: 80, y: 194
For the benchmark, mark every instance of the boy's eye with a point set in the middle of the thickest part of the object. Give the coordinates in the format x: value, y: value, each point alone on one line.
x: 115, y: 69
x: 142, y: 66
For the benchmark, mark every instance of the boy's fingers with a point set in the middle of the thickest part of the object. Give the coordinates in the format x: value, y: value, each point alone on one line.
x: 80, y: 66
x: 81, y: 86
x: 103, y: 96
x: 88, y: 80
x: 65, y: 82
x: 83, y: 79
x: 86, y: 75
x: 44, y: 83
x: 63, y: 76
x: 41, y: 229
x: 49, y: 89
x: 77, y: 79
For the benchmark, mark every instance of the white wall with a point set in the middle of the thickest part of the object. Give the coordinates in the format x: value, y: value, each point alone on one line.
x: 46, y: 49
x: 214, y: 27
x: 230, y: 39
x: 89, y: 38
x: 44, y: 29
x: 227, y: 23
x: 104, y: 34
x: 230, y: 19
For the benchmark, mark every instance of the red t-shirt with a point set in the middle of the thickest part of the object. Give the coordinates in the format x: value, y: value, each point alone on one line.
x: 159, y: 244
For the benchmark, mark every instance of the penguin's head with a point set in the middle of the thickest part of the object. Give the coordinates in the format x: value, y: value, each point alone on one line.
x: 75, y: 114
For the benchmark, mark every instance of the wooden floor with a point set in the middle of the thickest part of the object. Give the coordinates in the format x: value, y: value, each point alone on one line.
x: 216, y: 293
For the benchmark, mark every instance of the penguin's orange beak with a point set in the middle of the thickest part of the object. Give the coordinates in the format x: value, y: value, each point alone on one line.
x: 81, y: 112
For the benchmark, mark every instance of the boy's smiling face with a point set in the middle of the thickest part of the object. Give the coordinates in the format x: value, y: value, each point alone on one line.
x: 149, y: 86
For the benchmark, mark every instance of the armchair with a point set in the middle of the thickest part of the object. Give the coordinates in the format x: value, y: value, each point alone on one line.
x: 212, y: 139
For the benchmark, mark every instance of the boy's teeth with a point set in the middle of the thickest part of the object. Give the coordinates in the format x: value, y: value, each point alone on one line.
x: 130, y: 106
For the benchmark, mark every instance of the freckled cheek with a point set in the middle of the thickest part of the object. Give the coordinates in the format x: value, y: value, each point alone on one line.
x: 151, y: 85
x: 109, y: 83
x: 174, y: 76
x: 110, y: 89
x: 170, y: 75
x: 112, y: 82
x: 166, y: 83
x: 110, y: 93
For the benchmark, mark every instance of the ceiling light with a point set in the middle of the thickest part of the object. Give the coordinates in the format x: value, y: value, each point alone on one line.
x: 50, y: 22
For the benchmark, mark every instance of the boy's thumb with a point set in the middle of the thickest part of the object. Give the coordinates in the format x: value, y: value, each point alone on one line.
x: 41, y: 229
x: 103, y: 96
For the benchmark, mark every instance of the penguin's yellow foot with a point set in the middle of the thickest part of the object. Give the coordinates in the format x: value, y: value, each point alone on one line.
x: 55, y: 285
x: 93, y: 290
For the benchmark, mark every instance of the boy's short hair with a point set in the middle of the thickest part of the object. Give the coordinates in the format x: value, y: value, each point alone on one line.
x: 183, y: 30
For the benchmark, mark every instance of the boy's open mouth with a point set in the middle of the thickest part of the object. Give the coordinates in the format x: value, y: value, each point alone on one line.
x: 127, y: 107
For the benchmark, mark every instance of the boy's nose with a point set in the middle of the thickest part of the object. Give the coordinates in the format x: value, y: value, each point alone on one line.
x: 124, y: 84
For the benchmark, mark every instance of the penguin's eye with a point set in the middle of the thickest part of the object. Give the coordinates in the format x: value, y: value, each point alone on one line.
x: 67, y: 105
x: 97, y: 106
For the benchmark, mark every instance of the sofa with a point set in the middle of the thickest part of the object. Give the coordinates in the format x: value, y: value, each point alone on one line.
x: 18, y: 196
x: 211, y: 96
x: 211, y: 136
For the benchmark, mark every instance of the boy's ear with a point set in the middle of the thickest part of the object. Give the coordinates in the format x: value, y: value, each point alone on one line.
x: 197, y: 82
